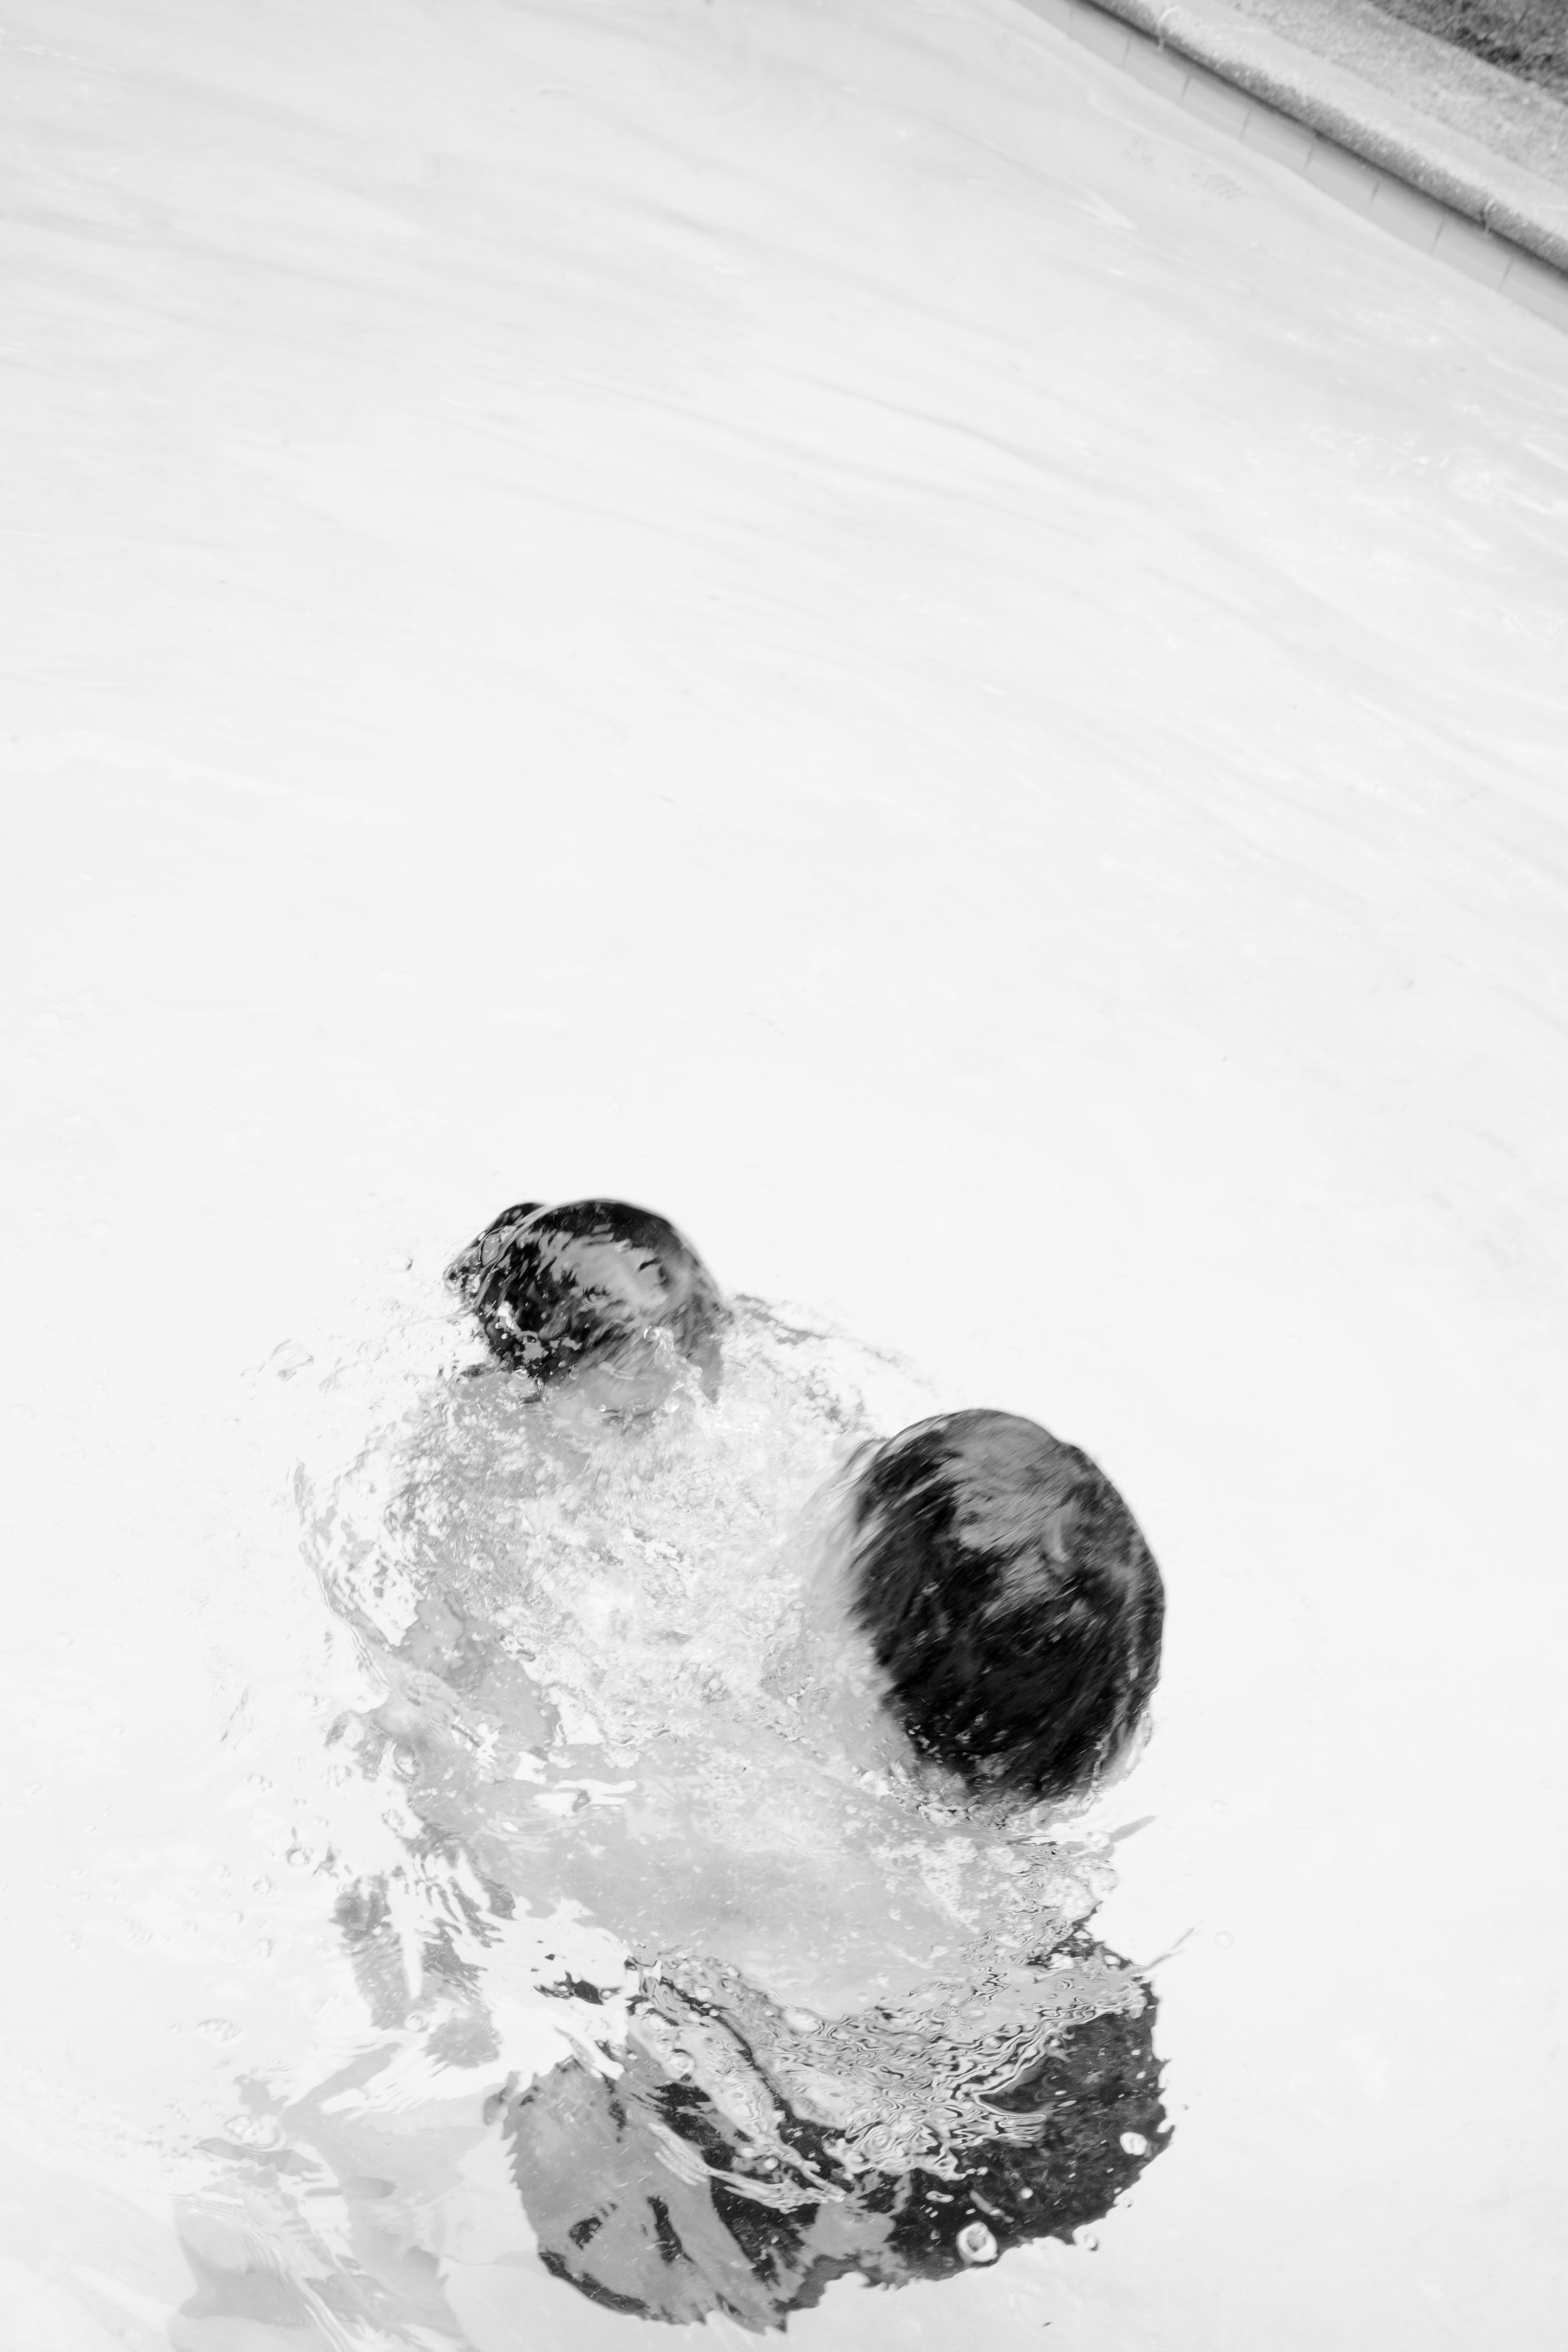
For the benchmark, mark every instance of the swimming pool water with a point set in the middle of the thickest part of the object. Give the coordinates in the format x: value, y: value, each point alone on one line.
x: 832, y: 619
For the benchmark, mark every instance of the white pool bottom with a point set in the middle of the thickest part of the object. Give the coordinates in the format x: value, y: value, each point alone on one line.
x: 836, y: 621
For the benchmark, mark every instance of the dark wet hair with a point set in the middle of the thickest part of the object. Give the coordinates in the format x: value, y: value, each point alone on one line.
x: 555, y: 1289
x: 1010, y: 1598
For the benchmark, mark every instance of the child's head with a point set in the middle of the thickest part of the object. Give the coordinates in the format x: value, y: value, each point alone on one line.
x: 595, y: 1293
x: 1009, y: 1599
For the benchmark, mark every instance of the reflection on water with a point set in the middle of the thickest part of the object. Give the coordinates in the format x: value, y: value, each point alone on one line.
x: 688, y: 1981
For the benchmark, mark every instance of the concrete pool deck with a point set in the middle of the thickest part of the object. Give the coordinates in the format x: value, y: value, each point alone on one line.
x: 1451, y: 154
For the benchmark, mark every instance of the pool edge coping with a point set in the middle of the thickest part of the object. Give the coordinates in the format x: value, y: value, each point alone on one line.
x: 1302, y: 110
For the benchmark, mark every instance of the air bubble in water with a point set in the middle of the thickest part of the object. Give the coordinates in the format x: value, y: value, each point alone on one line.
x: 1135, y: 2143
x: 976, y: 2245
x: 252, y: 2131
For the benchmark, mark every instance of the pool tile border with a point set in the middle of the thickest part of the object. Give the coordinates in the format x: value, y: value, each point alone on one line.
x: 1368, y: 187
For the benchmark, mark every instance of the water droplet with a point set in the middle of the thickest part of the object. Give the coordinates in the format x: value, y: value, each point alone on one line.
x: 1223, y: 1939
x: 1135, y: 2144
x: 976, y: 2245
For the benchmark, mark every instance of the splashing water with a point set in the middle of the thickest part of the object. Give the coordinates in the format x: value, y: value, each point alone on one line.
x: 624, y: 1712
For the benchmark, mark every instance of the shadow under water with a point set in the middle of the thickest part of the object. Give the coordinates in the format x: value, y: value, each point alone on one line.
x: 642, y: 2199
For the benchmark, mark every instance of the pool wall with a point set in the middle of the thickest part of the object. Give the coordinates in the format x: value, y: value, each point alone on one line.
x: 1433, y: 187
